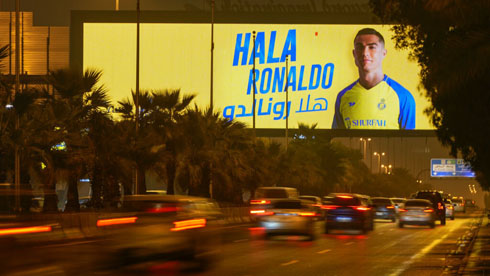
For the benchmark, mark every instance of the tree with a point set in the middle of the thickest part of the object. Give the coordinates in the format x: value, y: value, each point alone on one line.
x: 449, y: 39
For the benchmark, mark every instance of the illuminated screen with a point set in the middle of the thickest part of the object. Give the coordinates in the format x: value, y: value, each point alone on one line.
x: 320, y: 64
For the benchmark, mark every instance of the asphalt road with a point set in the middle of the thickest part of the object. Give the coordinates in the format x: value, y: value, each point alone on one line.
x: 388, y: 250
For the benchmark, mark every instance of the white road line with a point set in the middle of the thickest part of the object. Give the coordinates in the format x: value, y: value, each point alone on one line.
x: 421, y: 253
x: 290, y: 263
x: 324, y: 251
x: 349, y: 243
x: 242, y: 240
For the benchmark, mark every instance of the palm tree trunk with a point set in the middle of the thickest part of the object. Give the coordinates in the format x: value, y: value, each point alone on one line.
x: 171, y: 172
x: 72, y: 204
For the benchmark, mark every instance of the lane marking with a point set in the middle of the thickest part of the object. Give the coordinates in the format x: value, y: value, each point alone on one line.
x: 421, y: 253
x: 242, y: 240
x: 324, y: 251
x: 65, y: 244
x: 349, y: 243
x: 290, y: 263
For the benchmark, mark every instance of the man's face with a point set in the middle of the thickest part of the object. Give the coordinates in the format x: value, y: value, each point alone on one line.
x: 368, y: 52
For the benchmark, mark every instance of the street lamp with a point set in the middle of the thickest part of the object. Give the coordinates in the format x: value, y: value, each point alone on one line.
x: 389, y: 169
x: 379, y: 159
x: 364, y: 142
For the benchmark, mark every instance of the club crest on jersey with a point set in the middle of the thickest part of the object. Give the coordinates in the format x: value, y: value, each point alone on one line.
x: 382, y: 104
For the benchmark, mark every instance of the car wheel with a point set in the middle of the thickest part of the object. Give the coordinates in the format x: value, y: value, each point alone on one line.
x: 268, y: 236
x: 452, y: 218
x: 327, y: 230
x: 393, y: 219
x: 371, y: 226
x: 443, y: 221
x: 400, y: 224
x: 432, y: 225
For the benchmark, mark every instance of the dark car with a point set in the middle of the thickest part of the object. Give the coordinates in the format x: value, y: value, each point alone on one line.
x: 437, y: 203
x: 384, y: 208
x: 349, y: 211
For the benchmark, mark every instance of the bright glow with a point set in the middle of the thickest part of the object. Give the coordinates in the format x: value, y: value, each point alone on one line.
x: 330, y: 207
x: 430, y: 210
x: 345, y: 196
x: 25, y: 230
x: 256, y: 201
x: 163, y: 209
x: 402, y: 210
x: 188, y: 224
x: 116, y: 221
x: 361, y: 208
x: 261, y: 213
x: 323, y: 66
x: 390, y: 207
x: 307, y: 214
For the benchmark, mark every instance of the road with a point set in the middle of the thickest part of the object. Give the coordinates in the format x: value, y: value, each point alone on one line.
x: 388, y: 250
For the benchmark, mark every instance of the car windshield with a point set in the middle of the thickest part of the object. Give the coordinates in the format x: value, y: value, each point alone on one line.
x: 381, y: 201
x: 271, y: 193
x: 346, y: 201
x: 287, y: 205
x: 417, y: 203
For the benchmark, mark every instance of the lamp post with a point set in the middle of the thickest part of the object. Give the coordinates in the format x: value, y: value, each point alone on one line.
x: 364, y: 142
x: 379, y: 159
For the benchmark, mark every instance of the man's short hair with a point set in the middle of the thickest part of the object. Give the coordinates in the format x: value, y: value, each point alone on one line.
x: 370, y: 31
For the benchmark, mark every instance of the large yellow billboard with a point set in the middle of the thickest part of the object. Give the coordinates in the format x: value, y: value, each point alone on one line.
x: 321, y: 79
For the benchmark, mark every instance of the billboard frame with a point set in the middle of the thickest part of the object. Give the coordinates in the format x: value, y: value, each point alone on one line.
x: 78, y: 18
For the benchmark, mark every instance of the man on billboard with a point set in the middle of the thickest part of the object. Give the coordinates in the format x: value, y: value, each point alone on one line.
x: 374, y: 101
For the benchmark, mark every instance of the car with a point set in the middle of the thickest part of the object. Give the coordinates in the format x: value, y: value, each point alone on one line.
x: 417, y: 212
x: 449, y: 208
x: 384, y: 208
x: 160, y: 227
x: 459, y: 205
x: 287, y: 217
x: 266, y: 196
x: 399, y: 202
x: 436, y: 197
x: 470, y: 204
x: 349, y: 211
x: 315, y: 203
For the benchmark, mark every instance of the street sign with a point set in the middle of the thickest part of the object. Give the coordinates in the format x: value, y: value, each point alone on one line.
x: 450, y: 168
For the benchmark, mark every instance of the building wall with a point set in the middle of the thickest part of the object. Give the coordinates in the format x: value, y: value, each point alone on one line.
x: 33, y: 45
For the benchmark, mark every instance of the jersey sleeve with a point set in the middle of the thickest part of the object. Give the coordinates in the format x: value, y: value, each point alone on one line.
x: 406, y: 119
x: 338, y: 118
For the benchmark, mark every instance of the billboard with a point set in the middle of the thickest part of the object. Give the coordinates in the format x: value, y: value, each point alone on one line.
x: 450, y: 168
x: 314, y: 63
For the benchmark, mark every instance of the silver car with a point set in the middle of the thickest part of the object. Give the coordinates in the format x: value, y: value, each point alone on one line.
x: 287, y: 217
x: 417, y: 212
x: 449, y: 208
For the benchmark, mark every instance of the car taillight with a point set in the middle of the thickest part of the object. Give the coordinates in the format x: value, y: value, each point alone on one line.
x: 188, y: 224
x: 116, y: 221
x: 329, y: 207
x: 449, y: 207
x: 261, y: 213
x: 390, y: 207
x: 256, y: 201
x: 162, y: 210
x: 345, y: 196
x: 428, y: 210
x: 317, y: 205
x: 361, y: 208
x: 25, y: 230
x: 440, y: 206
x: 402, y: 210
x: 307, y: 214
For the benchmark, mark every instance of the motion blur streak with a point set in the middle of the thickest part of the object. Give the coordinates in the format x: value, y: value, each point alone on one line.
x: 116, y: 221
x: 188, y: 224
x: 25, y: 230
